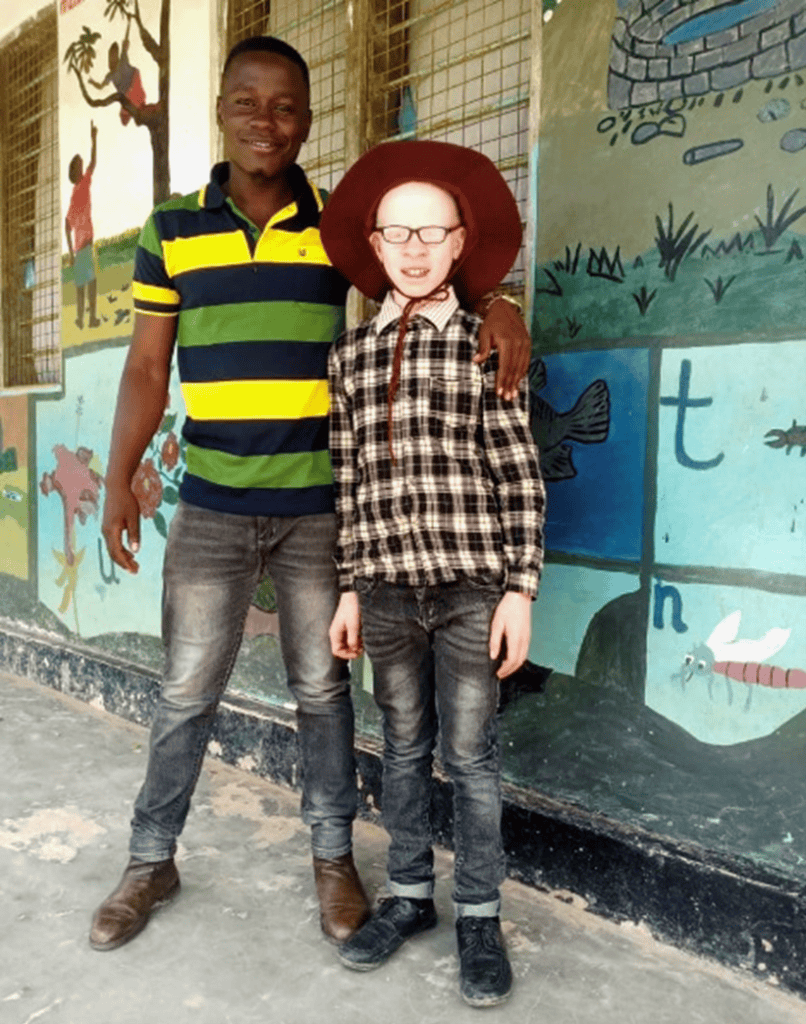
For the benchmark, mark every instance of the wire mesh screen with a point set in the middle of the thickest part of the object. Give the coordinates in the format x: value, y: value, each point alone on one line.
x: 318, y: 30
x: 30, y: 250
x: 246, y: 18
x: 458, y: 71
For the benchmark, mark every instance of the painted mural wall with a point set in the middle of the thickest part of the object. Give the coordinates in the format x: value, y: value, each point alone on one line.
x: 668, y: 662
x: 667, y: 392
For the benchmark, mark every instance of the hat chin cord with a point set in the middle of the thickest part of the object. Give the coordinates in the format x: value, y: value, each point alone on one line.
x: 397, y: 360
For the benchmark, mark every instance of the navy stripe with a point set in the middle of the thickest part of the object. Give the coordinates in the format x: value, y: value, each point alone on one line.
x: 253, y: 360
x: 184, y: 223
x: 257, y: 501
x: 261, y: 282
x: 264, y: 437
x: 155, y: 307
x: 149, y: 269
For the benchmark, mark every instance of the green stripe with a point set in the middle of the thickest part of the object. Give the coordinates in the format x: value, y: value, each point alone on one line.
x: 305, y: 469
x: 260, y: 321
x: 150, y: 237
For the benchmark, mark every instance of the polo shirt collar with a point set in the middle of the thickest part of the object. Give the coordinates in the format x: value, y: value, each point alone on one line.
x: 307, y: 209
x: 438, y: 313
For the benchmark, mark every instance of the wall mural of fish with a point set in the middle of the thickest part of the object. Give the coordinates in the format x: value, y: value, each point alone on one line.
x: 588, y: 422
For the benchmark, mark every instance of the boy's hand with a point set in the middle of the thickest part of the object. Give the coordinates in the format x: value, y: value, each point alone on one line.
x: 512, y: 621
x: 504, y: 329
x: 345, y: 629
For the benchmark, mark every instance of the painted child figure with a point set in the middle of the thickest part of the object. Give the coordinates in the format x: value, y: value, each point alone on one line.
x: 79, y: 232
x: 440, y: 507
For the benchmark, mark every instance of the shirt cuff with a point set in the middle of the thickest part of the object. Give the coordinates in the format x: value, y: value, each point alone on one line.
x: 523, y: 581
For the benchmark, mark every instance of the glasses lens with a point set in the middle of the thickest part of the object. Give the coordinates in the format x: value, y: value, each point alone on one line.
x: 396, y: 234
x: 432, y: 235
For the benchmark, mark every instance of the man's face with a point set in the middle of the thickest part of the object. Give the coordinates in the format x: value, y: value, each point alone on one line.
x: 263, y: 112
x: 414, y: 267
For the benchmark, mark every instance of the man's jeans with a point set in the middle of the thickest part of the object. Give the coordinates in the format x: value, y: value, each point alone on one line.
x: 429, y: 648
x: 213, y: 563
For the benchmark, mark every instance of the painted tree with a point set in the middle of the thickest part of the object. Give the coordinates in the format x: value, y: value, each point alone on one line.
x: 81, y: 55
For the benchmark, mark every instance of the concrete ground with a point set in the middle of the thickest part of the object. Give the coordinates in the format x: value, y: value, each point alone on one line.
x: 241, y: 943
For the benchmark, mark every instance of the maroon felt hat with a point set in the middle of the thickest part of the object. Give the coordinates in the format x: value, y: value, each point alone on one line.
x: 488, y: 208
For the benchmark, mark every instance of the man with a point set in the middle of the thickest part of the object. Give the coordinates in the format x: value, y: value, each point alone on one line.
x: 236, y: 277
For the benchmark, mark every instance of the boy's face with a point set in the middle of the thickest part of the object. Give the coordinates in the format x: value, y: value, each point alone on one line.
x: 414, y: 267
x: 264, y: 113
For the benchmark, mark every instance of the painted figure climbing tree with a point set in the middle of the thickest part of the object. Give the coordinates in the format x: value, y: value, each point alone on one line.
x: 80, y: 57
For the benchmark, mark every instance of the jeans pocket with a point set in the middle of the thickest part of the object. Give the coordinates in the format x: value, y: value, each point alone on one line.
x: 364, y: 587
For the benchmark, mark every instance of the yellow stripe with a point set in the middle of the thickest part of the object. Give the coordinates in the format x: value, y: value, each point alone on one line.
x: 291, y: 247
x: 230, y: 249
x: 153, y: 312
x: 153, y: 293
x: 284, y: 214
x: 256, y: 399
x: 224, y: 250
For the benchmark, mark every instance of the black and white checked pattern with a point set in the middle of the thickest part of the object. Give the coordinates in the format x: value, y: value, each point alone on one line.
x: 466, y: 498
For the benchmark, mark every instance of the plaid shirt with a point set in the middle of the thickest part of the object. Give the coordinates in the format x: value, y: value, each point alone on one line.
x: 466, y: 498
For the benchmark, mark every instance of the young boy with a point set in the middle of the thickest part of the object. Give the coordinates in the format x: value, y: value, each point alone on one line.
x: 440, y: 507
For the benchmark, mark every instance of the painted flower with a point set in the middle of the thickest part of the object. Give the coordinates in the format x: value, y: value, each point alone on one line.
x: 147, y: 488
x: 170, y: 451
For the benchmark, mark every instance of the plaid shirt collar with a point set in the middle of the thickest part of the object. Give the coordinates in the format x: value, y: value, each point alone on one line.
x: 438, y: 313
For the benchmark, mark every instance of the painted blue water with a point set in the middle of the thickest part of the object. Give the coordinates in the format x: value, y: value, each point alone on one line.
x: 717, y: 20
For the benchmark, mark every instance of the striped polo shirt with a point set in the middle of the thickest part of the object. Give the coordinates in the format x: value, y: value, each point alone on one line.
x: 256, y: 312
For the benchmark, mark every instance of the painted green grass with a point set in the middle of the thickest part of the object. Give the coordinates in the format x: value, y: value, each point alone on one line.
x: 109, y: 252
x: 729, y: 286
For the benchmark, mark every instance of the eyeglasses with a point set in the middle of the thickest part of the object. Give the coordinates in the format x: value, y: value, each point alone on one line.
x: 397, y: 234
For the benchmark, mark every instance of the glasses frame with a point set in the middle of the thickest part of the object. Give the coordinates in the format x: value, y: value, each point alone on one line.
x: 416, y: 231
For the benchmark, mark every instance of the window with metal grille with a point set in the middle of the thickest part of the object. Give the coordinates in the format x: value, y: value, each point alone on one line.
x: 29, y: 206
x: 458, y: 71
x: 246, y: 18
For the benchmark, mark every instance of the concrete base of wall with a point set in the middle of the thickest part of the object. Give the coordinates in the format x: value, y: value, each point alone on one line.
x: 725, y: 908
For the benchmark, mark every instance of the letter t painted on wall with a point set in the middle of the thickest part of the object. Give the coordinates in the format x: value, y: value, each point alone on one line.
x: 683, y: 402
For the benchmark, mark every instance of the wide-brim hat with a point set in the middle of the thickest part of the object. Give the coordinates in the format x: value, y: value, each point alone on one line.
x: 489, y: 213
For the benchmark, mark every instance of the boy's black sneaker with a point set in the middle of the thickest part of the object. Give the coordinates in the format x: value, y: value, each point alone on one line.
x: 396, y: 920
x: 485, y: 977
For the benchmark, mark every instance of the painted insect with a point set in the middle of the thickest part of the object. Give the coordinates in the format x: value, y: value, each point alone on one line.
x: 740, y: 660
x: 793, y: 438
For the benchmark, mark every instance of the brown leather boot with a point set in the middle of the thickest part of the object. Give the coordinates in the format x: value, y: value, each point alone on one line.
x: 125, y: 913
x: 342, y: 900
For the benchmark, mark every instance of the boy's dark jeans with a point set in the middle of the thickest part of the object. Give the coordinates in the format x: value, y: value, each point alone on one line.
x: 429, y: 648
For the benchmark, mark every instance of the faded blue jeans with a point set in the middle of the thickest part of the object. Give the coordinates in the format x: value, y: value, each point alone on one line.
x: 429, y: 648
x: 213, y: 562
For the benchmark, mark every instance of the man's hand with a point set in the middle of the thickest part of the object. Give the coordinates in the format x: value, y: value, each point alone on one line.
x: 345, y: 629
x: 512, y: 621
x: 121, y: 513
x: 504, y: 329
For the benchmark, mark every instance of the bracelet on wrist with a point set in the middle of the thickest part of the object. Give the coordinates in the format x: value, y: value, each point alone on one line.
x: 490, y: 297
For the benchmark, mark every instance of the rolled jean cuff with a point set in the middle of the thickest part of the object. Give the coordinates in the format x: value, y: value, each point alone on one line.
x: 331, y: 852
x: 491, y: 909
x: 329, y: 839
x: 411, y: 890
x: 149, y: 854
